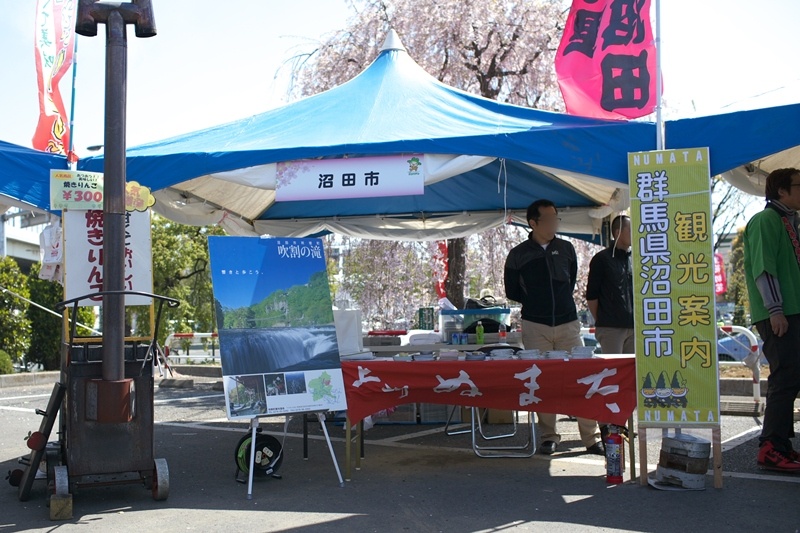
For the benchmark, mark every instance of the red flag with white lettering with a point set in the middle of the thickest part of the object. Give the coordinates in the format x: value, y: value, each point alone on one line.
x: 720, y: 281
x: 606, y: 62
x: 54, y: 46
x: 440, y: 268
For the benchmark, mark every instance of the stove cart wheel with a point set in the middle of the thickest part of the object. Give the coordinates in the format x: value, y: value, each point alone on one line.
x: 61, y: 480
x: 160, y: 480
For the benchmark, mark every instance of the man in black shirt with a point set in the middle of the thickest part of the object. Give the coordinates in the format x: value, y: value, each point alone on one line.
x: 609, y: 291
x: 540, y: 273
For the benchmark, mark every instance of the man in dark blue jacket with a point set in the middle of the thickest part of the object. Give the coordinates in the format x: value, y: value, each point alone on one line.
x: 540, y: 274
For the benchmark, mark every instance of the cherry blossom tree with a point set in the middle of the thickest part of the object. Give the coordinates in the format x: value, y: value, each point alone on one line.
x: 502, y: 50
x: 390, y: 280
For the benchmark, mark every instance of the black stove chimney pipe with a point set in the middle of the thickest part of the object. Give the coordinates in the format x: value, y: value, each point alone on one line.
x: 115, y: 15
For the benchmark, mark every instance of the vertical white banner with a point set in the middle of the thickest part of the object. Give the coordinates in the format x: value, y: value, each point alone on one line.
x: 83, y: 247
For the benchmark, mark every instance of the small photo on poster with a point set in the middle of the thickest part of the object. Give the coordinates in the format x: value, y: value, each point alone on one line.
x: 247, y: 395
x: 276, y: 384
x: 295, y: 383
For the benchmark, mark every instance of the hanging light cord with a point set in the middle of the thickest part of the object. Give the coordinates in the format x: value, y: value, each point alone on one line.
x: 43, y: 308
x: 503, y: 172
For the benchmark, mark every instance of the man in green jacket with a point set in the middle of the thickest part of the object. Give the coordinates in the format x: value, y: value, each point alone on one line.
x: 772, y: 272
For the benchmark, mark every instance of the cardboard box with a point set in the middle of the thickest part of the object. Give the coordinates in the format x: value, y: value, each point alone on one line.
x: 499, y: 416
x: 434, y: 413
x: 490, y: 416
x: 381, y: 340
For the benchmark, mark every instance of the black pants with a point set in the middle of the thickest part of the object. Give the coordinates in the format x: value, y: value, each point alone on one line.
x: 783, y: 355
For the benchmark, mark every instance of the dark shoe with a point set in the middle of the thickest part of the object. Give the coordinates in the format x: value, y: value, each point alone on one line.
x: 548, y: 447
x: 771, y: 459
x: 596, y: 449
x: 794, y: 456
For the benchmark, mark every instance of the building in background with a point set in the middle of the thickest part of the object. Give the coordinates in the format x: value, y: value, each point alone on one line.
x: 19, y: 235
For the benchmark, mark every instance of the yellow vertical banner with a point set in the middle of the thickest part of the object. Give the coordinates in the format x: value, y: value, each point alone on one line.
x: 674, y: 301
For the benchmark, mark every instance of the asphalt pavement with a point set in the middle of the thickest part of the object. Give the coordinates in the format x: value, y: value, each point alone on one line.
x: 413, y: 478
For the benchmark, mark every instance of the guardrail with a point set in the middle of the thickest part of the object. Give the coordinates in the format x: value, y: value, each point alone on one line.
x: 752, y: 361
x: 177, y: 357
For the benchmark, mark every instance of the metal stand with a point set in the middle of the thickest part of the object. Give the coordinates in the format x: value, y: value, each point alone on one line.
x: 521, y: 451
x: 254, y: 424
x: 321, y: 418
x: 450, y: 432
x: 501, y: 436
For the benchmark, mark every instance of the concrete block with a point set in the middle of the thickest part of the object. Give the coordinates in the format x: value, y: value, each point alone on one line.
x: 176, y: 383
x: 61, y: 507
x: 741, y: 408
x: 205, y: 371
x: 740, y: 387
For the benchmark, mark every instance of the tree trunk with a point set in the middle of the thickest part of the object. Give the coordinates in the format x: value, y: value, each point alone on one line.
x: 456, y: 271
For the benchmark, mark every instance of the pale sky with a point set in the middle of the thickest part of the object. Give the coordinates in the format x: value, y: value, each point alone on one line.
x: 216, y: 61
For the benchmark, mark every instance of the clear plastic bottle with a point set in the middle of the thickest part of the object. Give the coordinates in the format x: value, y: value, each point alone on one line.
x: 501, y: 332
x: 479, y: 333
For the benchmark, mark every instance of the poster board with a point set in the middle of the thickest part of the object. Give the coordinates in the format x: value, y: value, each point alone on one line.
x: 674, y: 302
x: 276, y: 330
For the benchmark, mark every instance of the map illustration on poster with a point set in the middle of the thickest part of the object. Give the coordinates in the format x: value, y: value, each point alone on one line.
x: 276, y: 331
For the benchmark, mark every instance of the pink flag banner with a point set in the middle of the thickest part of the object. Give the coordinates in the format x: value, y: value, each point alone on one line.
x: 606, y: 62
x: 720, y: 280
x: 55, y: 34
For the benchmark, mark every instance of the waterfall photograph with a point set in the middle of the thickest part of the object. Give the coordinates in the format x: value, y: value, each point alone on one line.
x: 261, y: 351
x: 272, y: 305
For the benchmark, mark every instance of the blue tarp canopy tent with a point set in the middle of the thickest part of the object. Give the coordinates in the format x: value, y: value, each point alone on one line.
x: 484, y: 160
x: 747, y: 144
x: 25, y: 177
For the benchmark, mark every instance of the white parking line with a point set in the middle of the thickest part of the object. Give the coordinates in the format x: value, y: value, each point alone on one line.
x: 741, y: 438
x: 30, y: 397
x: 186, y: 399
x: 763, y: 477
x: 17, y: 409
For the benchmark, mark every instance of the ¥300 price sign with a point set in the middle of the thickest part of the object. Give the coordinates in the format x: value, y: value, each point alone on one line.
x: 71, y: 189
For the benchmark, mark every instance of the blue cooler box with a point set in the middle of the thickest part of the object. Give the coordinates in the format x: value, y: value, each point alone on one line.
x: 458, y: 320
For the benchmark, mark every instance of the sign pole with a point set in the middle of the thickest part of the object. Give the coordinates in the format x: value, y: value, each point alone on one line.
x: 253, y: 427
x: 115, y: 17
x: 659, y: 101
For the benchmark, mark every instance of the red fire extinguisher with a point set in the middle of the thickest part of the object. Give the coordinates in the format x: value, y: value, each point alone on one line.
x: 613, y: 444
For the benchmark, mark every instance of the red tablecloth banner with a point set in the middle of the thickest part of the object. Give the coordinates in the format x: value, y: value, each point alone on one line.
x: 597, y: 388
